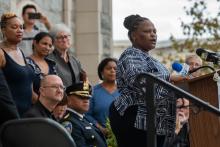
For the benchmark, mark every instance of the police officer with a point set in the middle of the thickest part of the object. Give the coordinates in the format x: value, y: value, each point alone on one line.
x: 84, y: 133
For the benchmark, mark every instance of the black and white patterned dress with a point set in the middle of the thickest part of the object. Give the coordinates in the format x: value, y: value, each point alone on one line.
x: 131, y: 63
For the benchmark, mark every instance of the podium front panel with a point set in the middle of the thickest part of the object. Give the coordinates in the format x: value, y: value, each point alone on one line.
x: 204, y: 126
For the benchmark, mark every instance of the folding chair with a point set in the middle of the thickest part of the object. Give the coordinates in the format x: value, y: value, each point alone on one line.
x: 35, y: 132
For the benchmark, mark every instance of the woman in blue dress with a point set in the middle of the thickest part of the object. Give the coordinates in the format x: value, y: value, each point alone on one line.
x: 42, y: 46
x: 103, y: 94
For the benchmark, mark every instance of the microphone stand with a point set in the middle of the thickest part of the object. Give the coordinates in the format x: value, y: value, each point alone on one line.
x: 201, y: 67
x: 215, y: 77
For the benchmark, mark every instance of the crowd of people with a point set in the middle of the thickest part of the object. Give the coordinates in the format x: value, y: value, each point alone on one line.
x: 51, y: 83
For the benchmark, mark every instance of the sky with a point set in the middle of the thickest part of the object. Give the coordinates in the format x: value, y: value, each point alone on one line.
x: 165, y: 14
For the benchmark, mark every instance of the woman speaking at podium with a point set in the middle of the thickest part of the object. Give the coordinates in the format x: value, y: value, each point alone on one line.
x: 128, y: 111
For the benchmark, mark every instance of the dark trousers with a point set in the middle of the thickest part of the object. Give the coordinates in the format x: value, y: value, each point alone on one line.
x: 125, y: 132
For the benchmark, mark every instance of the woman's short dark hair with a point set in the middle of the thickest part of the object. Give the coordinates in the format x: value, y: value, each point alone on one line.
x: 131, y: 23
x: 102, y: 65
x: 40, y: 36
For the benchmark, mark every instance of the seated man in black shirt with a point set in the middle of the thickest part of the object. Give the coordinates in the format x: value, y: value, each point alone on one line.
x: 51, y: 93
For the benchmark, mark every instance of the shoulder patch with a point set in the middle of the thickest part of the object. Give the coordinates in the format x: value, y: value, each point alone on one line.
x: 68, y: 126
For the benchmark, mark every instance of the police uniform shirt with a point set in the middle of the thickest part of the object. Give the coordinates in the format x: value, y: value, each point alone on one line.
x: 85, y: 134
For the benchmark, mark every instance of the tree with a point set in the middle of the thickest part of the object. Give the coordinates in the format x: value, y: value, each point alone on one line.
x: 203, y: 30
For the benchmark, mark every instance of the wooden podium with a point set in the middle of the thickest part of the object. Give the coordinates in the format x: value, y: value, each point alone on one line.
x: 204, y: 126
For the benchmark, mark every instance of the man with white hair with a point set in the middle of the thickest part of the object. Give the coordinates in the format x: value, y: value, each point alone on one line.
x: 51, y: 93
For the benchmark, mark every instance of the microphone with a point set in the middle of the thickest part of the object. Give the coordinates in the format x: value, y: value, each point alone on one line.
x: 208, y: 55
x: 181, y: 69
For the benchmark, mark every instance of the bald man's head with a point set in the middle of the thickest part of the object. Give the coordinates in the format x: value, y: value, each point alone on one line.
x: 52, y: 88
x: 49, y: 78
x: 51, y: 91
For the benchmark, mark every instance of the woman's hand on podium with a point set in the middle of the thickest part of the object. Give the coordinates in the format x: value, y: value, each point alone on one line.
x: 178, y: 78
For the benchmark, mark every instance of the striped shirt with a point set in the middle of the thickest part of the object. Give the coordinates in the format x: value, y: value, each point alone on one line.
x: 131, y: 63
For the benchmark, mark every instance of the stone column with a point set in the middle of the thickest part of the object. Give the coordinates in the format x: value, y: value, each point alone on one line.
x: 69, y: 19
x: 93, y: 32
x: 67, y: 12
x: 88, y: 39
x: 106, y: 28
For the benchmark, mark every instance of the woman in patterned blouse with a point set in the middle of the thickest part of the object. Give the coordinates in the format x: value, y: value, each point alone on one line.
x: 128, y: 111
x: 42, y: 46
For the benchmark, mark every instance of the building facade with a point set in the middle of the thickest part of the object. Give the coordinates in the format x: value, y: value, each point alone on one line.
x: 89, y: 20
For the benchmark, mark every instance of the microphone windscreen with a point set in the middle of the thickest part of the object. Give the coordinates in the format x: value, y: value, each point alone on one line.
x: 199, y: 51
x: 177, y: 66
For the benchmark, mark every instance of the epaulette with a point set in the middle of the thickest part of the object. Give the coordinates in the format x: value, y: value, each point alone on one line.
x: 66, y: 116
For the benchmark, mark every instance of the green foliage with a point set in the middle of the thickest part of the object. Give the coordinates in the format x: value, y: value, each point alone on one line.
x: 203, y: 30
x: 111, y: 140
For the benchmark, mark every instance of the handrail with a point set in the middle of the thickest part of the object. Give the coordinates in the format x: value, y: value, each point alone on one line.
x: 147, y: 80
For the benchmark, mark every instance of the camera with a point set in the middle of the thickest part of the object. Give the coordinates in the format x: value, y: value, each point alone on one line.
x: 34, y: 15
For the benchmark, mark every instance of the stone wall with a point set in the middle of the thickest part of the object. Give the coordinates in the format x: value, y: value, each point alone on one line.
x: 5, y: 6
x: 53, y: 9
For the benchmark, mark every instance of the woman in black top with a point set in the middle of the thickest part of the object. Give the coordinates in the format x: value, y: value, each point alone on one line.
x: 18, y: 74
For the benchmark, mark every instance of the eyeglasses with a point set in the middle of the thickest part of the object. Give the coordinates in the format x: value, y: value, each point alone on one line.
x: 63, y: 37
x: 56, y: 87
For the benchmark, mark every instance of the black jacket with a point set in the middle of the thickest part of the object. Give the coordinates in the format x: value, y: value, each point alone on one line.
x: 38, y: 110
x: 180, y: 140
x: 8, y: 109
x: 69, y: 72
